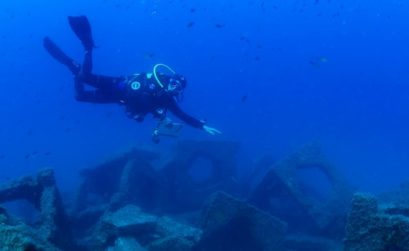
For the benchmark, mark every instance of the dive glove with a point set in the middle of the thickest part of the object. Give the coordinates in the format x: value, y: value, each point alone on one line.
x: 211, y: 130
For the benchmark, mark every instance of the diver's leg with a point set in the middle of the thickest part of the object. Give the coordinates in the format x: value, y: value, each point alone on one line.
x: 98, y: 81
x: 92, y: 96
x: 81, y: 27
x: 107, y: 88
x: 60, y: 56
x: 103, y: 82
x: 87, y: 63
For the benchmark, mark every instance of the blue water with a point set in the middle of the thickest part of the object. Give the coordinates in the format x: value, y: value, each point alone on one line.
x: 273, y: 75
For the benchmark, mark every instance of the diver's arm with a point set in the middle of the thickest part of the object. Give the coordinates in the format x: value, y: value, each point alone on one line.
x: 174, y: 108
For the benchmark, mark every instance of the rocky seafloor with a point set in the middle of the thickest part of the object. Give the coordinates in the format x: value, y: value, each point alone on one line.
x: 137, y: 201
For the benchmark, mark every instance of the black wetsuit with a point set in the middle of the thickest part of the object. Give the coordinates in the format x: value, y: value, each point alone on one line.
x: 139, y: 93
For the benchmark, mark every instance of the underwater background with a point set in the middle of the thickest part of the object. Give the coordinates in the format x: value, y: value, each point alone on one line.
x: 272, y: 75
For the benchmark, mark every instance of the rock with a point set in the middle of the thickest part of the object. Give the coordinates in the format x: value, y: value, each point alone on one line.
x: 371, y: 228
x: 131, y: 178
x: 42, y: 192
x: 119, y: 181
x: 131, y: 221
x: 284, y: 194
x: 151, y: 232
x: 311, y: 243
x: 126, y: 244
x: 174, y: 236
x: 231, y: 224
x: 22, y: 238
x: 185, y: 193
x: 172, y: 243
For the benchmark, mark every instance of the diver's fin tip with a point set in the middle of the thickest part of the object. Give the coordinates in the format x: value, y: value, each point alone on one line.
x: 59, y: 55
x: 82, y: 28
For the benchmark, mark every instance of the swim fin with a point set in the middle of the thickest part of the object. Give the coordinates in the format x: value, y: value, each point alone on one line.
x: 82, y: 28
x: 60, y: 56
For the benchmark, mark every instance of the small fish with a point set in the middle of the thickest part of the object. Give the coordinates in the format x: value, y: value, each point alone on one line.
x: 190, y: 24
x: 317, y: 62
x: 243, y: 98
x: 149, y: 55
x: 244, y: 38
x: 324, y: 60
x: 31, y: 155
x: 219, y: 25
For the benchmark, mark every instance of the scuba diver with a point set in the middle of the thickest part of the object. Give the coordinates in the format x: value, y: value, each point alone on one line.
x: 141, y: 93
